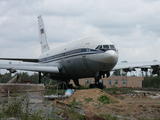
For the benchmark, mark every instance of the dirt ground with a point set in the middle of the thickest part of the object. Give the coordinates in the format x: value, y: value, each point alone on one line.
x: 125, y: 106
x: 128, y: 106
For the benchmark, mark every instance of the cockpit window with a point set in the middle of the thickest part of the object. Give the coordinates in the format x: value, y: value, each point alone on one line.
x: 106, y: 47
x: 97, y: 47
x: 112, y: 47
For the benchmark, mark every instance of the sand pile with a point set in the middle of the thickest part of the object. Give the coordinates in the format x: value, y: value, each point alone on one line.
x: 94, y: 105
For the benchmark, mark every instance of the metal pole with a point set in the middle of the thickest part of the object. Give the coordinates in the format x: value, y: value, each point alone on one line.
x: 39, y: 78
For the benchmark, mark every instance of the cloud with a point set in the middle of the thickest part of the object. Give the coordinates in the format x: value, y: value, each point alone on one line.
x: 132, y: 25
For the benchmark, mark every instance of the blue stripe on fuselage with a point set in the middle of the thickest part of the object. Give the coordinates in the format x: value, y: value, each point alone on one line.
x: 72, y: 53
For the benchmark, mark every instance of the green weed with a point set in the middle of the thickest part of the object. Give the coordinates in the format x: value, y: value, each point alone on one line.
x: 114, y: 92
x: 74, y: 103
x: 121, y: 97
x: 88, y: 99
x: 105, y: 100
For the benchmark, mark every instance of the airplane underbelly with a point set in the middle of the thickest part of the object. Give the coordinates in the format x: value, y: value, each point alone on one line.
x: 77, y: 67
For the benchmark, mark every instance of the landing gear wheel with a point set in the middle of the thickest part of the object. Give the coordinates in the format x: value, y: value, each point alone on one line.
x: 99, y: 85
x: 92, y: 86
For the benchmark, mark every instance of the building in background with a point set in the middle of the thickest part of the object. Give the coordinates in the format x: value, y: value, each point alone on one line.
x: 115, y: 81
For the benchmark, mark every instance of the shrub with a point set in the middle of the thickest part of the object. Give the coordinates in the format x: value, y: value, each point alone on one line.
x: 121, y: 97
x: 114, y: 92
x: 105, y: 100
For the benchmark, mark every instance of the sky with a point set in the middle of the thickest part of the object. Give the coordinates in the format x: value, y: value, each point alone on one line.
x: 133, y: 25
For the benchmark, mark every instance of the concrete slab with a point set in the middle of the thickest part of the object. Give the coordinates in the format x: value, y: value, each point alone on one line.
x: 17, y: 88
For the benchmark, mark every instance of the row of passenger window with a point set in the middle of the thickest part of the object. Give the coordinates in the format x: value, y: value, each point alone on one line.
x: 61, y: 55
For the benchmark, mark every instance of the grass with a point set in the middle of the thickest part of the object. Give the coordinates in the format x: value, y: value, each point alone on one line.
x: 88, y: 99
x: 75, y: 116
x: 121, y: 97
x: 114, y: 92
x: 74, y: 103
x: 119, y: 91
x: 18, y: 107
x: 54, y: 91
x: 105, y: 100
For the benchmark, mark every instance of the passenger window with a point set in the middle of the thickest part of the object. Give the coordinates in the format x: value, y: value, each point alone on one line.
x: 106, y: 46
x: 112, y: 47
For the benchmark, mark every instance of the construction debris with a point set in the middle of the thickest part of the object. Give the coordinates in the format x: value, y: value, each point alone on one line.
x: 13, y: 80
x: 68, y: 93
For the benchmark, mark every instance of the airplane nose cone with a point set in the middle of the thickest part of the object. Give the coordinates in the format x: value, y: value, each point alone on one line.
x: 111, y: 56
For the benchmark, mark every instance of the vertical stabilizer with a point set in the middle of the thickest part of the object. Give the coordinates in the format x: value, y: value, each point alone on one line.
x: 42, y: 35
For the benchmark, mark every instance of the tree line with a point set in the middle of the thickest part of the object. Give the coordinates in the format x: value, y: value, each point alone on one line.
x: 151, y: 82
x: 4, y: 78
x: 148, y: 82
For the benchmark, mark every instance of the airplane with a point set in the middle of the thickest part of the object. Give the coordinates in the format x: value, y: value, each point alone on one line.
x: 89, y: 57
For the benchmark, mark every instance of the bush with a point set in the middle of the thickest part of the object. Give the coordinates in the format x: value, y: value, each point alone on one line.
x: 14, y: 107
x: 114, y: 92
x: 121, y: 97
x: 105, y: 100
x: 19, y: 107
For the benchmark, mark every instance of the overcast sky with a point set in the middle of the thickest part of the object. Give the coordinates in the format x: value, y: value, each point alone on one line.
x: 133, y: 25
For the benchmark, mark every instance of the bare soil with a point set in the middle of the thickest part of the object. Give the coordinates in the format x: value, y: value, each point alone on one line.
x: 131, y: 106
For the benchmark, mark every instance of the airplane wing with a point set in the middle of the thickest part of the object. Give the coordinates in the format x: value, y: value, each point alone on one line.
x: 155, y: 65
x: 21, y: 59
x: 30, y: 67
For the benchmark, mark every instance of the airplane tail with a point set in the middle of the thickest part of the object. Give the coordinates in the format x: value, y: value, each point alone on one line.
x: 42, y: 35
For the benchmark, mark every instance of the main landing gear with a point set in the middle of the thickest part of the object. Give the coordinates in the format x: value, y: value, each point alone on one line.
x: 40, y: 77
x: 97, y: 84
x: 98, y: 76
x: 76, y: 82
x: 64, y: 84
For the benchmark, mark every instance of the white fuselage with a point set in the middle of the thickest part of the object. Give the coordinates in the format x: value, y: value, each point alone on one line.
x: 82, y: 59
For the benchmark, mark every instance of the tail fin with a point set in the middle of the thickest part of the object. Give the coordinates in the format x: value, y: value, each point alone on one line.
x: 42, y: 35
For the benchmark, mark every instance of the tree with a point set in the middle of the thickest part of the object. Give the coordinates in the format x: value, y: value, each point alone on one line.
x: 119, y: 73
x: 6, y: 77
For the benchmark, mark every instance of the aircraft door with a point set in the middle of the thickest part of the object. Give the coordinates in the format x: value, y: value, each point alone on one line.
x: 85, y: 61
x: 85, y: 50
